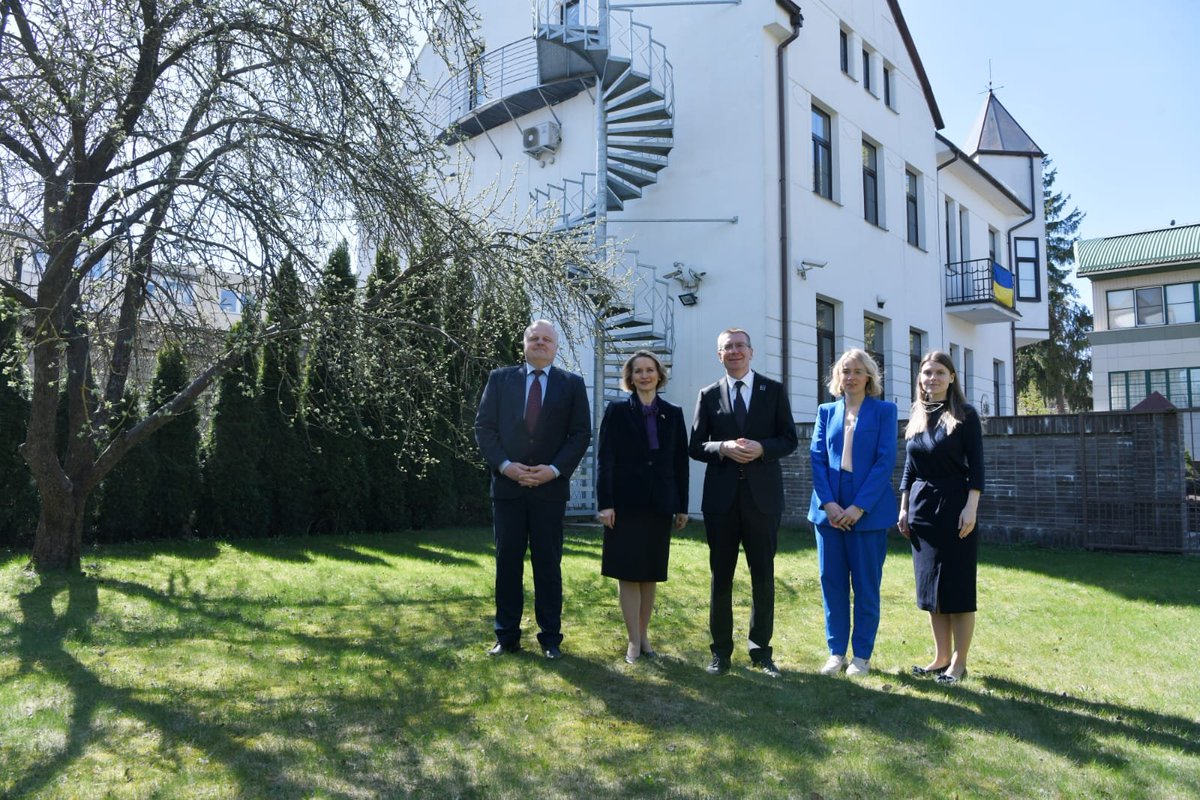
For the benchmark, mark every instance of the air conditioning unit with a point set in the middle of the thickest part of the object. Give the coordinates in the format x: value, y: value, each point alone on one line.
x: 541, y: 138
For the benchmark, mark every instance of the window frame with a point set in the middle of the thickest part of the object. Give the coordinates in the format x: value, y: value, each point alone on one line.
x: 844, y: 50
x: 870, y: 179
x: 866, y: 68
x: 822, y: 146
x: 826, y: 341
x: 1019, y: 263
x: 912, y: 206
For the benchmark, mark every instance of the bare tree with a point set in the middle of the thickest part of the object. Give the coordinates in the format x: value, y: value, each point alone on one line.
x: 148, y: 147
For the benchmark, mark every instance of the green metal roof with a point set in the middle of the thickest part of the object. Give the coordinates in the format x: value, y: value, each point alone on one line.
x: 1174, y: 245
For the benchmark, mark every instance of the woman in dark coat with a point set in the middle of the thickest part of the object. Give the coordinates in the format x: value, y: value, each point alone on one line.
x: 939, y: 500
x: 642, y: 492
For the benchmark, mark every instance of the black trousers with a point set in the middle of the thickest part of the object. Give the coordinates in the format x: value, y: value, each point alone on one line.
x: 758, y: 533
x: 536, y: 525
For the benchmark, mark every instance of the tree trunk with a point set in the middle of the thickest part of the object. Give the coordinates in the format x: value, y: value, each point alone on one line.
x: 59, y: 539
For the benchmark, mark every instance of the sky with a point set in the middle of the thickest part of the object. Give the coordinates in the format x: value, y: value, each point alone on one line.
x: 1109, y: 90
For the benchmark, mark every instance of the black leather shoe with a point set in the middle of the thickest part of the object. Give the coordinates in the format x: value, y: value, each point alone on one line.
x: 767, y: 667
x: 552, y: 652
x: 719, y: 666
x: 921, y: 672
x: 500, y: 648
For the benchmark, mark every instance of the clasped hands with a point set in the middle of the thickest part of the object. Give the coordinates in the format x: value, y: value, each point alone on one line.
x: 743, y: 451
x: 608, y: 516
x: 528, y: 476
x: 843, y: 518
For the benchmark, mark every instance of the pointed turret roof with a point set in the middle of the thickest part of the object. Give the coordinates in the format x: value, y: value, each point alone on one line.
x: 997, y: 133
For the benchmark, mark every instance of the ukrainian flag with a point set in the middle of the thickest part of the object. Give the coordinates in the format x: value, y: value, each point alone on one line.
x: 1002, y: 285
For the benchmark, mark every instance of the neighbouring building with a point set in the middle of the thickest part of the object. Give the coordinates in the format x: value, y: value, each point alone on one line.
x: 1146, y: 292
x: 764, y: 165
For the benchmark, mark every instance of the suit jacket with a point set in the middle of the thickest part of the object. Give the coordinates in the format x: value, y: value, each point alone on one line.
x: 874, y: 453
x: 769, y: 422
x: 562, y: 435
x: 633, y: 477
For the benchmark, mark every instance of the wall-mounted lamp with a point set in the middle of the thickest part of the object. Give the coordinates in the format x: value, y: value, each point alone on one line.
x: 880, y: 301
x: 809, y: 264
x: 689, y: 282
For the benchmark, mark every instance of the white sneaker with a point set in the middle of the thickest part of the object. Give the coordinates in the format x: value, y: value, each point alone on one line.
x: 858, y: 666
x: 834, y: 665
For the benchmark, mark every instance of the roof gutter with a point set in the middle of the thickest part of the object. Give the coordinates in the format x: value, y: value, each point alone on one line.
x: 785, y: 350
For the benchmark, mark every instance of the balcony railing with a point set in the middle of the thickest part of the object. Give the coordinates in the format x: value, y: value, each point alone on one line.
x: 979, y: 280
x: 496, y: 75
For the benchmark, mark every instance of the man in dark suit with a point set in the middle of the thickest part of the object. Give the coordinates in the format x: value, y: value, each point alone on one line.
x: 743, y: 426
x: 533, y: 427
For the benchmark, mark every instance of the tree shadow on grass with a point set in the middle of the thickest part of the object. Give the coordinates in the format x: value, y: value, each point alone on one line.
x: 420, y: 710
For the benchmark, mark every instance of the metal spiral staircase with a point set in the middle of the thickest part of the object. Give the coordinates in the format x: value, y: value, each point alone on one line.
x: 584, y: 46
x: 635, y: 81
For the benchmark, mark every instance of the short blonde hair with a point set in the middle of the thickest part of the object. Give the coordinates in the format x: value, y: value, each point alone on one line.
x: 627, y: 370
x: 874, y: 380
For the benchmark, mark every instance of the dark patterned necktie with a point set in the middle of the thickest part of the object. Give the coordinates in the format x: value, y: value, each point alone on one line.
x: 533, y: 405
x: 739, y: 405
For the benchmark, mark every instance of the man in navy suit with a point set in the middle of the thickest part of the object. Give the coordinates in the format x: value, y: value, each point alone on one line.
x: 533, y: 427
x: 742, y: 428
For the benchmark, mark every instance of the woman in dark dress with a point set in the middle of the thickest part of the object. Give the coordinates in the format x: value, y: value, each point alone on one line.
x: 939, y: 499
x: 642, y: 492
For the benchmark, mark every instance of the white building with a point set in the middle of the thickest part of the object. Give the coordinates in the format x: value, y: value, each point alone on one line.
x: 763, y: 170
x: 1146, y: 338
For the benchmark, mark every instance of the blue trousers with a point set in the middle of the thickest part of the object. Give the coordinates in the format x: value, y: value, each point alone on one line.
x: 851, y: 558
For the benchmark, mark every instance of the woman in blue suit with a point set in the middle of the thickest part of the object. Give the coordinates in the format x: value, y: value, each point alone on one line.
x: 642, y: 492
x: 853, y: 504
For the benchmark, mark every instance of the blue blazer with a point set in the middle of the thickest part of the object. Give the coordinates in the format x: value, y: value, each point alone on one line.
x: 562, y: 435
x: 875, y: 436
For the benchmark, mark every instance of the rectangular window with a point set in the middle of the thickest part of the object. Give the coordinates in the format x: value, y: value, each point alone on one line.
x: 1029, y: 280
x: 1149, y: 305
x: 887, y: 86
x: 230, y: 302
x: 1120, y: 309
x: 1118, y: 392
x: 968, y: 377
x: 950, y: 252
x: 964, y: 234
x: 873, y: 343
x: 822, y: 138
x: 844, y: 50
x: 993, y: 244
x: 998, y: 386
x: 916, y: 349
x: 870, y: 159
x: 866, y: 64
x: 825, y: 349
x: 1136, y: 392
x: 1181, y: 302
x: 912, y: 208
x: 1177, y: 388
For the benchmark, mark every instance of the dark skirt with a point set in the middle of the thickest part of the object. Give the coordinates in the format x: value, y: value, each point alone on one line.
x: 944, y: 565
x: 637, y: 547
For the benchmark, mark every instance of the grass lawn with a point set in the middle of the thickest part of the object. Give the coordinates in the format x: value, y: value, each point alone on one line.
x: 356, y: 667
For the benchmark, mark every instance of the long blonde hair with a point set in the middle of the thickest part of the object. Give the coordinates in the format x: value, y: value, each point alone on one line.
x: 956, y: 402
